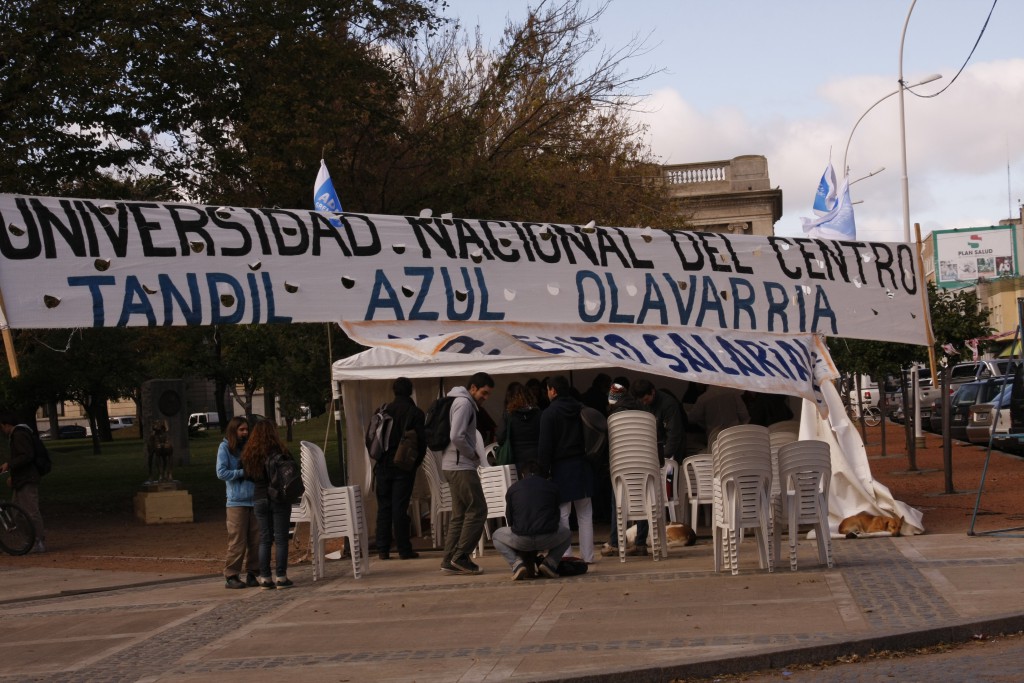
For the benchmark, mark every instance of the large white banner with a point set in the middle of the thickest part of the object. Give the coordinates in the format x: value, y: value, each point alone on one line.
x: 789, y: 364
x: 94, y: 263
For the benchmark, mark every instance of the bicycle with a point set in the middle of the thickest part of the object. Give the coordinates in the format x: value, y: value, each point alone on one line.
x: 872, y: 414
x: 17, y: 535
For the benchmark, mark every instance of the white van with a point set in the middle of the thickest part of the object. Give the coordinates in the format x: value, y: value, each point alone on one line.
x: 121, y: 423
x: 199, y: 422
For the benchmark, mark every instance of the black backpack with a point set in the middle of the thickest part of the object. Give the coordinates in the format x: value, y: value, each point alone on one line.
x: 595, y: 434
x: 438, y: 424
x: 40, y: 454
x: 285, y: 479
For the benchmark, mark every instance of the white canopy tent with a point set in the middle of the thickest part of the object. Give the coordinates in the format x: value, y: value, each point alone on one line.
x: 364, y: 382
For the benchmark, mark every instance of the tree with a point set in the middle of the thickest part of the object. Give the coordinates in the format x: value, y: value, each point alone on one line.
x: 539, y: 129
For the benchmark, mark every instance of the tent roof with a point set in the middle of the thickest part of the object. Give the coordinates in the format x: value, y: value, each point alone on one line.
x: 383, y: 363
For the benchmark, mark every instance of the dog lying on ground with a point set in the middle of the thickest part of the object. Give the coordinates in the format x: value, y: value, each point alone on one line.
x: 867, y: 523
x: 676, y: 535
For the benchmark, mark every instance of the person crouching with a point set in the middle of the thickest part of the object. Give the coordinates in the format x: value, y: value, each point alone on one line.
x: 534, y: 524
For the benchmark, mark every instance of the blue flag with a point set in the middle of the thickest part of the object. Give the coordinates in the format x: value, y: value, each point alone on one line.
x: 324, y: 196
x: 837, y: 224
x: 825, y: 197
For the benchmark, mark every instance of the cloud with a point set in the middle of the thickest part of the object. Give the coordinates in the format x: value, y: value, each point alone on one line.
x: 959, y: 145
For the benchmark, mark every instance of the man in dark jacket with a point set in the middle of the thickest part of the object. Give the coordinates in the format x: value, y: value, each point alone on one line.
x: 670, y: 416
x: 24, y: 477
x: 393, y: 484
x: 562, y: 452
x: 534, y: 523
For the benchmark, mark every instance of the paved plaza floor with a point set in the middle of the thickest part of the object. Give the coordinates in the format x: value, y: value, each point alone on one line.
x: 406, y: 621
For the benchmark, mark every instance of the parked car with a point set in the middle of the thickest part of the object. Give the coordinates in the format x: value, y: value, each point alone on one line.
x: 968, y: 395
x: 121, y: 423
x: 66, y: 432
x: 990, y: 421
x: 200, y: 422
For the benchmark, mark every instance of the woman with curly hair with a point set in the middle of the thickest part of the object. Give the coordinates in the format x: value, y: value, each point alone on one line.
x: 522, y: 425
x: 273, y: 515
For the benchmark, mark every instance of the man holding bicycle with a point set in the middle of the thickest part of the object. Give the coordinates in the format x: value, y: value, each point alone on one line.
x: 24, y: 477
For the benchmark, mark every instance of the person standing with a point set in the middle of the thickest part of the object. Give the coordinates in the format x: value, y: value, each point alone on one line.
x: 24, y: 477
x: 393, y: 485
x: 719, y: 408
x: 563, y: 453
x: 670, y: 416
x: 273, y: 515
x: 522, y: 425
x: 459, y: 463
x: 534, y: 523
x: 243, y: 529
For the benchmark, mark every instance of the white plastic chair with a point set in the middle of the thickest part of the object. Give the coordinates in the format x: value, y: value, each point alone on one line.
x: 636, y: 477
x: 698, y: 476
x: 778, y: 439
x: 495, y: 482
x: 805, y: 469
x: 335, y: 512
x: 742, y: 472
x: 440, y: 497
x: 670, y: 474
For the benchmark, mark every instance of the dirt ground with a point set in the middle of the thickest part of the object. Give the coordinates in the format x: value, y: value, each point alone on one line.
x: 123, y: 543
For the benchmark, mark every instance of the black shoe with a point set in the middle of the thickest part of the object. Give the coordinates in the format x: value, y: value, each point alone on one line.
x: 547, y: 571
x: 384, y: 555
x: 266, y: 583
x: 464, y: 565
x: 284, y: 582
x: 448, y: 568
x: 250, y: 580
x: 233, y: 582
x: 411, y: 555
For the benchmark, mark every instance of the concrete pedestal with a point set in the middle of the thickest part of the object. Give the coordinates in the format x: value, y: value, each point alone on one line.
x: 163, y: 507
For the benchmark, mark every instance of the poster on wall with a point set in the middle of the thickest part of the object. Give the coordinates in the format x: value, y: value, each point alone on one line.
x: 964, y: 256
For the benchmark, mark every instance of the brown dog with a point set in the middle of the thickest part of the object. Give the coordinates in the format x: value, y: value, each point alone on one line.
x: 679, y: 534
x: 867, y: 523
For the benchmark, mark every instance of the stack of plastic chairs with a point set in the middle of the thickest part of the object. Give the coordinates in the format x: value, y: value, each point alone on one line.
x: 742, y: 469
x: 670, y: 475
x: 440, y: 496
x: 697, y: 474
x: 334, y: 511
x: 805, y: 470
x: 636, y: 477
x: 495, y: 481
x: 779, y: 438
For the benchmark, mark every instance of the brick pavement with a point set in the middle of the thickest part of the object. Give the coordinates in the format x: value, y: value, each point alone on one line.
x: 406, y: 621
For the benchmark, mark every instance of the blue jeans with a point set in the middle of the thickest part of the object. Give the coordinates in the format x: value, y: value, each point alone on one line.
x: 643, y: 528
x: 274, y: 518
x: 510, y: 545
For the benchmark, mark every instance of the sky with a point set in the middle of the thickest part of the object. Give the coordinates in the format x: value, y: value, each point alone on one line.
x: 789, y: 79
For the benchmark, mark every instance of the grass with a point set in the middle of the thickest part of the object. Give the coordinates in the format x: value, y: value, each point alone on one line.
x: 88, y: 485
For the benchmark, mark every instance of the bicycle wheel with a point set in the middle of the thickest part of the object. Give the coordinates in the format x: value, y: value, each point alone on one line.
x: 872, y: 416
x: 17, y: 535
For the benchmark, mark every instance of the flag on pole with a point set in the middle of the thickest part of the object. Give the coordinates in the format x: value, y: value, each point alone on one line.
x: 837, y: 224
x: 825, y: 197
x: 324, y: 196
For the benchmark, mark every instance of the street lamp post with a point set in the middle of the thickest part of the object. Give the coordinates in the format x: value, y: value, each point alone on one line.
x: 928, y: 79
x: 904, y: 182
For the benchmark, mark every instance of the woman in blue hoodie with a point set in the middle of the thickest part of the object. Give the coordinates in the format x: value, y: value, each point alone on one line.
x: 243, y: 530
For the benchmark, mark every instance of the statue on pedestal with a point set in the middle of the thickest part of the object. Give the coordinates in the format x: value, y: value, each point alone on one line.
x: 159, y: 451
